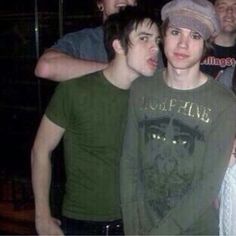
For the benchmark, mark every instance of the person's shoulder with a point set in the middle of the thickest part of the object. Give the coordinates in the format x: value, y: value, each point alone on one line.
x: 221, y: 92
x: 146, y: 81
x: 81, y: 82
x: 92, y: 30
x: 217, y: 47
x: 226, y: 77
x: 86, y: 33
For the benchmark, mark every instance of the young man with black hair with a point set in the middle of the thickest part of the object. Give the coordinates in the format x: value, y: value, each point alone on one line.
x: 90, y: 114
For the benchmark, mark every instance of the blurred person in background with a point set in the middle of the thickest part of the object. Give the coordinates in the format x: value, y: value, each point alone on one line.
x: 222, y: 57
x: 80, y: 52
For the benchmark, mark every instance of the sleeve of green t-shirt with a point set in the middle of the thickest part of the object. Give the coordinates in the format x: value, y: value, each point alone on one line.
x: 59, y: 106
x: 200, y: 197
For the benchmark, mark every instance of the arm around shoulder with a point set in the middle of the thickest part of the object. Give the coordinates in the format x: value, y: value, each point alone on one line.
x: 58, y: 66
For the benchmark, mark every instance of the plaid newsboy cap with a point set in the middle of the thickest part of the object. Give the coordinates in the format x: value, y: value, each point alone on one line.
x: 196, y: 15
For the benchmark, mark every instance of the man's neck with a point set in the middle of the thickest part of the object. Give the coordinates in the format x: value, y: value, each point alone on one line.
x: 184, y: 79
x: 225, y: 40
x: 119, y: 75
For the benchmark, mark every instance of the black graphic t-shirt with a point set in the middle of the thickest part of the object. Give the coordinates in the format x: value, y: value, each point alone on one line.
x: 176, y: 150
x: 218, y: 60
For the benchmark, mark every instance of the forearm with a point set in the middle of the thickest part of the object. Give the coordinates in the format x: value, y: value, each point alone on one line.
x: 48, y: 136
x: 41, y: 179
x: 57, y: 66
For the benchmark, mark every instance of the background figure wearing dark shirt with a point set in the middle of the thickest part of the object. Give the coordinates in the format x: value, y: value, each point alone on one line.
x: 223, y: 53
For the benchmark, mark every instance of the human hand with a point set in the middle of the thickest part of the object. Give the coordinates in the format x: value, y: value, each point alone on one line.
x: 48, y: 226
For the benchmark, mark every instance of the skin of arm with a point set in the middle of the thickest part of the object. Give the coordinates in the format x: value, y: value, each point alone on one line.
x: 57, y: 66
x: 48, y: 136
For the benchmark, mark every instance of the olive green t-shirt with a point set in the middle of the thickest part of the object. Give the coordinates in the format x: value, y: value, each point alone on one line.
x: 176, y: 150
x: 93, y: 113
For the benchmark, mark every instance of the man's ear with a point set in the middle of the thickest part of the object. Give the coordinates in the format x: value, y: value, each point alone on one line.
x: 118, y: 47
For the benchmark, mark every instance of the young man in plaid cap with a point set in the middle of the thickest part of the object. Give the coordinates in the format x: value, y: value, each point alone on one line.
x: 180, y: 132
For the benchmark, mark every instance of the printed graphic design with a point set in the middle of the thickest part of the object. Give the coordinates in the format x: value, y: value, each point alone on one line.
x: 186, y: 108
x: 169, y: 161
x: 222, y: 62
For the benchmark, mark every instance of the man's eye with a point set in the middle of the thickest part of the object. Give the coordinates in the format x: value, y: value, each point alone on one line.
x: 174, y: 32
x: 144, y: 38
x: 196, y: 35
x: 221, y: 8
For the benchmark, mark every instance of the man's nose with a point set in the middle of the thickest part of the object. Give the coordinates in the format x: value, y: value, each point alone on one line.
x: 183, y: 41
x: 229, y: 10
x: 155, y: 47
